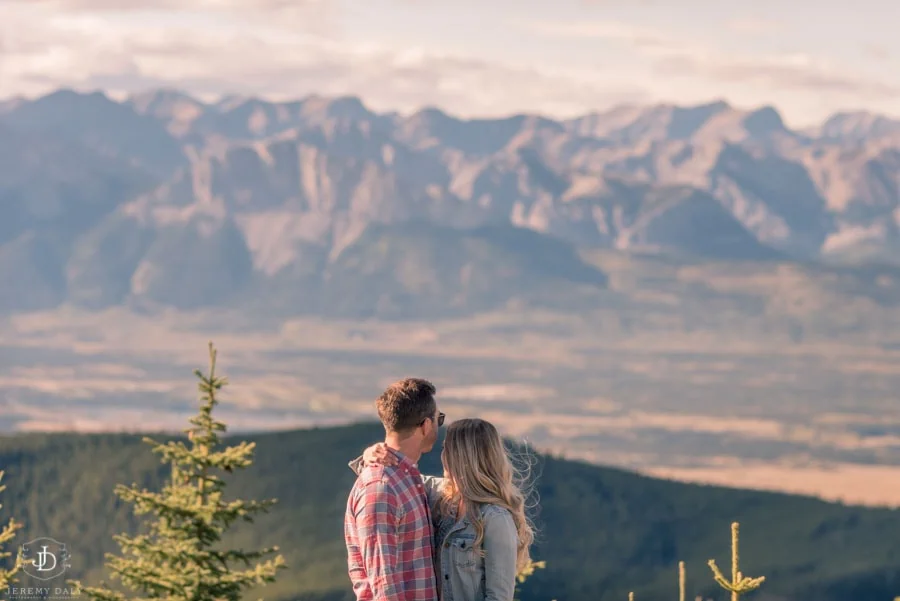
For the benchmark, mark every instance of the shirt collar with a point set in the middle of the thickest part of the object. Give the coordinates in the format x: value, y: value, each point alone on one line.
x: 403, y: 460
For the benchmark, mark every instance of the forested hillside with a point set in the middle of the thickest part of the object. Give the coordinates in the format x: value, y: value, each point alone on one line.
x: 603, y: 532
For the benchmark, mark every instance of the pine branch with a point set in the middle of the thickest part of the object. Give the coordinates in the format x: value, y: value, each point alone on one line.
x: 8, y: 576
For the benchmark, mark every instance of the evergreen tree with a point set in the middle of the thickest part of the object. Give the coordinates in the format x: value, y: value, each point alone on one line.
x: 180, y: 558
x: 7, y: 575
x: 739, y: 584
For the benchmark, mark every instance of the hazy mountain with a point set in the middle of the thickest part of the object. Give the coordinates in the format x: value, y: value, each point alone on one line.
x: 50, y: 182
x: 31, y: 272
x: 419, y: 270
x: 146, y: 196
x: 633, y: 125
x: 98, y: 123
x: 240, y: 118
x: 176, y: 110
x: 858, y: 126
x: 8, y: 104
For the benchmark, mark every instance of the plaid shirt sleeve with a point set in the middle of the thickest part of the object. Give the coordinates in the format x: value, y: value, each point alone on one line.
x: 377, y: 521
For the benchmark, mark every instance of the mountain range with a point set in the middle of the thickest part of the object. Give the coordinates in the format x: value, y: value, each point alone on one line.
x: 322, y: 206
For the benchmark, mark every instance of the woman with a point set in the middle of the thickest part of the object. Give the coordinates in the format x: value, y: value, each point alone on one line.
x: 481, y: 530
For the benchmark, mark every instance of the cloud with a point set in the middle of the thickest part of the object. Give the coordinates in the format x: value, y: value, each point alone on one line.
x: 117, y: 6
x: 786, y: 72
x: 638, y: 37
x: 754, y: 25
x: 291, y: 48
x: 309, y: 16
x: 670, y: 56
x: 83, y: 51
x: 878, y: 52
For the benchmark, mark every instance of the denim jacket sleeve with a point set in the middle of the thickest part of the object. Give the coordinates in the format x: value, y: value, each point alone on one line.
x: 356, y: 465
x: 433, y: 486
x: 500, y: 546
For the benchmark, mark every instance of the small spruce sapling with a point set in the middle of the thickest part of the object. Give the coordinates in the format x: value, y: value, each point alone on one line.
x: 181, y: 558
x: 527, y: 571
x: 739, y: 584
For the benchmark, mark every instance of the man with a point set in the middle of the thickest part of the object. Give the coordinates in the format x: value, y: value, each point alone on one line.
x: 387, y: 526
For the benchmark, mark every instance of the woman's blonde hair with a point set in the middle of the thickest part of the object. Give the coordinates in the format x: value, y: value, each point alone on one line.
x: 479, y: 471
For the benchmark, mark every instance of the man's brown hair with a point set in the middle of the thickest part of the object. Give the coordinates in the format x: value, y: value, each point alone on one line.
x: 405, y: 404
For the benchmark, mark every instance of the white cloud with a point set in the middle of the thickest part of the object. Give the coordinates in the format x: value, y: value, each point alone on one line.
x: 289, y: 16
x: 670, y: 56
x: 292, y: 48
x: 878, y: 52
x: 786, y: 72
x: 118, y: 6
x: 754, y: 25
x: 644, y: 38
x: 83, y: 50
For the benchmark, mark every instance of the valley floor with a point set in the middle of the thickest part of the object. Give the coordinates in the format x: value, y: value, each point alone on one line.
x: 851, y: 484
x: 809, y: 418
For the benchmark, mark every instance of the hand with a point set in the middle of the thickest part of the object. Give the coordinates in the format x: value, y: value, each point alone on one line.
x: 378, y: 454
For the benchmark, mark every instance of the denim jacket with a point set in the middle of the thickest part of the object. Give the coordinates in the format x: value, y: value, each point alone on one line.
x: 465, y: 573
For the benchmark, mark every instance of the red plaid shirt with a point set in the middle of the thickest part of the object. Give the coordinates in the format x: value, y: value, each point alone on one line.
x: 388, y: 532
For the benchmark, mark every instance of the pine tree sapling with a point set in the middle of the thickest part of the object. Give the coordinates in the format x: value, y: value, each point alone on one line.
x: 180, y: 559
x: 527, y: 571
x: 738, y: 585
x: 7, y: 576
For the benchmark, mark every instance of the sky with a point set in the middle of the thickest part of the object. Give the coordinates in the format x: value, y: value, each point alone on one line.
x: 472, y: 58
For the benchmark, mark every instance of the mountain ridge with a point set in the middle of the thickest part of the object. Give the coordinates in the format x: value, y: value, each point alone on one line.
x: 304, y: 179
x: 839, y: 124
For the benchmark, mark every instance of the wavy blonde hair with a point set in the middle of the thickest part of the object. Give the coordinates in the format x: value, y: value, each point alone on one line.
x: 479, y: 471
